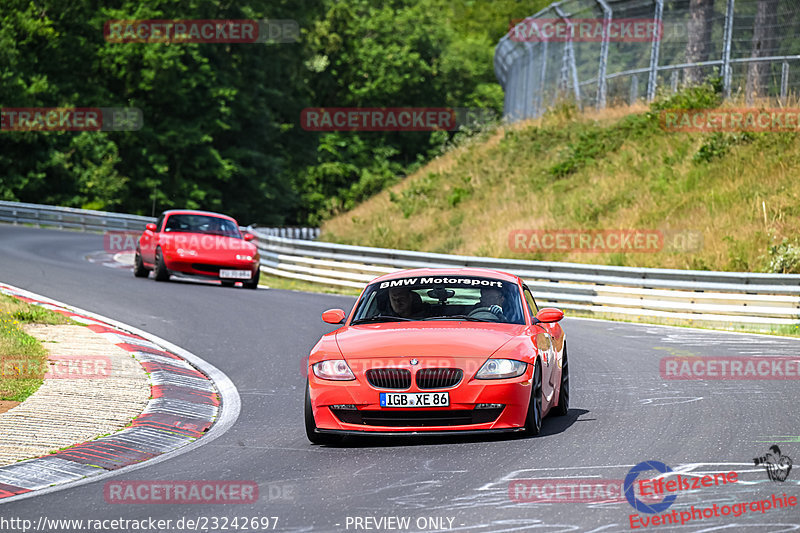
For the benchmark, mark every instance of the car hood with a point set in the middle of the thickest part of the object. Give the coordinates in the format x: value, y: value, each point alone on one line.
x: 425, y: 339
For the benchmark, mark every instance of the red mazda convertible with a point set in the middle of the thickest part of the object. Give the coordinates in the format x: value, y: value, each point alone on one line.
x: 197, y: 243
x: 433, y: 351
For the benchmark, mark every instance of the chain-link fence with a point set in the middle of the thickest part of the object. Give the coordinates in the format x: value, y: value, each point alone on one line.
x: 608, y: 52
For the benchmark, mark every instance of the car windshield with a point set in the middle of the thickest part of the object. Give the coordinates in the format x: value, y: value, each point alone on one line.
x: 190, y: 223
x: 440, y: 298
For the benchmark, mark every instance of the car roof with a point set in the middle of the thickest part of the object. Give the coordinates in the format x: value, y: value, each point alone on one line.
x: 195, y: 212
x: 462, y: 271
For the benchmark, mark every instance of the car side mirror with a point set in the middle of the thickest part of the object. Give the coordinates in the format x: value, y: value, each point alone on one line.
x: 248, y: 237
x: 333, y: 316
x: 150, y: 227
x: 548, y: 315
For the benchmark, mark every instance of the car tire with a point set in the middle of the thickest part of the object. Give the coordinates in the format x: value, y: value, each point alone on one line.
x: 138, y: 266
x: 311, y: 425
x: 533, y: 422
x: 563, y: 391
x: 253, y: 283
x: 162, y: 274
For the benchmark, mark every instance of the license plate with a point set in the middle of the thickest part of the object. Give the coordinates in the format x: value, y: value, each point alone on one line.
x: 415, y: 399
x: 235, y: 274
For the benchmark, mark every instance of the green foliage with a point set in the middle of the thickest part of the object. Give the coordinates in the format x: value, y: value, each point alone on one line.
x: 707, y: 95
x: 784, y: 258
x: 221, y: 121
x: 593, y: 142
x: 737, y: 254
x: 417, y: 195
x: 719, y: 143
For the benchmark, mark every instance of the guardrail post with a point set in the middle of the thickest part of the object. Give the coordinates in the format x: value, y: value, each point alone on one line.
x: 634, y: 89
x: 726, y: 50
x: 601, y: 74
x: 673, y: 81
x: 655, y: 49
x: 784, y: 82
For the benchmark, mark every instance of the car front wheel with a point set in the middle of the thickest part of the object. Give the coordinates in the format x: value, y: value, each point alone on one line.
x: 253, y: 283
x: 533, y: 422
x: 138, y: 266
x: 162, y: 274
x: 563, y: 393
x: 311, y: 425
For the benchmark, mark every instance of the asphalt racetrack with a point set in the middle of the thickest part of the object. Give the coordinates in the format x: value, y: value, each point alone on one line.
x: 622, y: 413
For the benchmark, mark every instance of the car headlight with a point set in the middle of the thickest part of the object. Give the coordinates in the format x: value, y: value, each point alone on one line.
x: 501, y: 369
x: 335, y: 369
x: 244, y: 257
x: 183, y: 251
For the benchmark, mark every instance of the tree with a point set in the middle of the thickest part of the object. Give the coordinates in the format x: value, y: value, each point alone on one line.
x: 765, y: 40
x: 698, y: 46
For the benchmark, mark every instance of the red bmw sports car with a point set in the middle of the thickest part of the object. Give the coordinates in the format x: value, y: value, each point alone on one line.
x: 197, y: 243
x: 434, y: 351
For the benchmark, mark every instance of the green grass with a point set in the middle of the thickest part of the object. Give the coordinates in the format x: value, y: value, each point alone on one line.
x: 275, y: 282
x: 23, y: 359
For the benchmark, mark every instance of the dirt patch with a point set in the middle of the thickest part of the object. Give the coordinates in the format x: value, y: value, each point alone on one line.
x: 6, y: 405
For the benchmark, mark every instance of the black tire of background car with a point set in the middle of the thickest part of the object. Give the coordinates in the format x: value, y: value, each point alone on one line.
x: 533, y: 422
x: 563, y: 394
x: 162, y: 274
x: 138, y: 266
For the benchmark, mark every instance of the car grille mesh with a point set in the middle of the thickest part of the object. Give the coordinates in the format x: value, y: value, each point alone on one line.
x: 389, y: 378
x: 203, y: 267
x: 438, y: 378
x: 418, y: 418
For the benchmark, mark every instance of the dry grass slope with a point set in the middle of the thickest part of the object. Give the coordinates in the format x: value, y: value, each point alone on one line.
x: 615, y: 169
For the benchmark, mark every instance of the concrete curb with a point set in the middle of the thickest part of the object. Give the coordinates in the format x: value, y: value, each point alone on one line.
x: 191, y: 404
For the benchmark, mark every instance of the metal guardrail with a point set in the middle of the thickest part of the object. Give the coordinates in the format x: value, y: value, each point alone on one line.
x: 697, y: 295
x: 291, y: 232
x: 685, y: 294
x: 88, y: 220
x: 68, y: 217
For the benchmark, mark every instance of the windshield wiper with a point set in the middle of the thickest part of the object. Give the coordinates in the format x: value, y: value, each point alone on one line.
x: 380, y: 318
x: 458, y: 317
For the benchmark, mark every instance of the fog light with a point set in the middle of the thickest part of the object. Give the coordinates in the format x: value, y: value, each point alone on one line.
x: 344, y: 407
x: 489, y: 406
